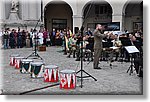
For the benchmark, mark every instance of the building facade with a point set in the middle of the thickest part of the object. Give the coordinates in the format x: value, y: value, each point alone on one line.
x: 59, y: 14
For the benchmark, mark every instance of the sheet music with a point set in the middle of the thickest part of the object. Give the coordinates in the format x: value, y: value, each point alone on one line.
x: 131, y: 49
x: 114, y: 48
x: 117, y: 32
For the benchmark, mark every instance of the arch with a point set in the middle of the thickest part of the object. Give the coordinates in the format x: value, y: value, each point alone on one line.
x: 133, y: 15
x: 130, y: 2
x: 46, y: 2
x: 95, y: 2
x: 96, y: 11
x: 58, y: 15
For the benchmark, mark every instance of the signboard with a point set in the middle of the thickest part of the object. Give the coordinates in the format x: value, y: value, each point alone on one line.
x: 112, y: 26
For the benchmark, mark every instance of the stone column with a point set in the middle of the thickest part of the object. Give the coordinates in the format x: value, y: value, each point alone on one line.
x: 2, y: 13
x: 77, y: 21
x: 119, y: 18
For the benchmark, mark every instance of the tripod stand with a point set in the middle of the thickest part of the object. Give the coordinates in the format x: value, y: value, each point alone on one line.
x: 131, y: 50
x: 130, y: 69
x: 82, y: 70
x: 35, y: 54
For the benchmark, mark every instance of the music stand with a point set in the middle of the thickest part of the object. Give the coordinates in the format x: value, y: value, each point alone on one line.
x: 131, y: 50
x: 35, y: 54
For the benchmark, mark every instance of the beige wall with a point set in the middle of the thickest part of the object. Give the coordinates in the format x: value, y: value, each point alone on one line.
x: 31, y: 12
x: 132, y: 14
x: 130, y: 20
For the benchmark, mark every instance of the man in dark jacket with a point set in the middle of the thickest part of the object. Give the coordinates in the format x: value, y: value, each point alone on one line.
x: 12, y: 39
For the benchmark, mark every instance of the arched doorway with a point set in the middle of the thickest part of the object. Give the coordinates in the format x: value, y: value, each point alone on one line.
x: 133, y: 16
x: 97, y: 12
x: 58, y: 15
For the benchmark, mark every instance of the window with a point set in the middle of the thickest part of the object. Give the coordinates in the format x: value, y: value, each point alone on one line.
x: 102, y: 9
x: 59, y: 24
x: 96, y: 9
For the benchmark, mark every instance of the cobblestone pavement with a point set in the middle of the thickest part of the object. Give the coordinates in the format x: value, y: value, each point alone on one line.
x: 109, y: 81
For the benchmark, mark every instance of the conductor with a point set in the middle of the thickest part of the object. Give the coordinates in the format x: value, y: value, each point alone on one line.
x: 98, y: 37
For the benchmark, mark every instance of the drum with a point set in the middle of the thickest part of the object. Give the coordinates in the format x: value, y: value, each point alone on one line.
x: 67, y: 79
x: 37, y: 69
x: 12, y: 60
x: 51, y: 73
x: 17, y: 62
x: 24, y: 65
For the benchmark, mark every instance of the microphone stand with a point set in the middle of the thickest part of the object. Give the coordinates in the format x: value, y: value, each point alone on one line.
x: 35, y: 54
x: 82, y: 70
x: 81, y: 58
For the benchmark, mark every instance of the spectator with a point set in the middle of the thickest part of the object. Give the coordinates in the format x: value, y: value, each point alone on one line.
x: 12, y: 39
x: 58, y: 39
x: 23, y: 38
x: 45, y: 36
x: 27, y: 39
x: 5, y: 39
x: 89, y: 32
x: 19, y: 39
x: 40, y: 36
x: 31, y: 36
x: 52, y: 36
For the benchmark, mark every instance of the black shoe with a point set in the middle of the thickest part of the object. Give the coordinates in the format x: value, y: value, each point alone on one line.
x: 112, y: 60
x: 77, y: 59
x: 126, y: 60
x: 68, y: 56
x: 65, y: 53
x: 98, y: 68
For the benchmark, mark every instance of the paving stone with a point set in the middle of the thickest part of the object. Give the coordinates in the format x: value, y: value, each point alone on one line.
x: 109, y: 81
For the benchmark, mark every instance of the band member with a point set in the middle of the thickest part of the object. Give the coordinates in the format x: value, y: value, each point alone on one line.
x: 116, y: 43
x: 125, y: 40
x: 90, y: 47
x: 98, y: 37
x: 72, y: 45
x: 64, y: 41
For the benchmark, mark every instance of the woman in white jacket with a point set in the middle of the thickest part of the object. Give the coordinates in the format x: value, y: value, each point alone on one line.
x: 40, y: 36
